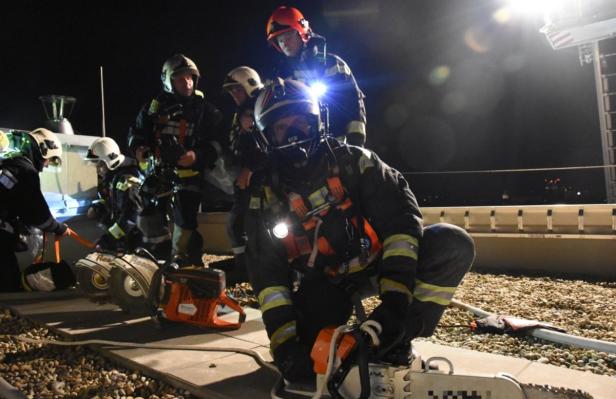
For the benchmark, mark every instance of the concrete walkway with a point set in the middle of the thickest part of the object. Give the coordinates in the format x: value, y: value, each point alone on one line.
x: 229, y: 375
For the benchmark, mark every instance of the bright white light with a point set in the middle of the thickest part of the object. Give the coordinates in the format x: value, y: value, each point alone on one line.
x: 536, y: 7
x: 318, y: 89
x: 281, y: 230
x: 579, y: 193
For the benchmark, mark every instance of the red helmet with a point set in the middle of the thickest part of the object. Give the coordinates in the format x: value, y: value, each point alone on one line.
x: 285, y: 19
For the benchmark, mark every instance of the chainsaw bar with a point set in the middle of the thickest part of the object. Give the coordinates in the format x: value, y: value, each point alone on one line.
x: 534, y: 391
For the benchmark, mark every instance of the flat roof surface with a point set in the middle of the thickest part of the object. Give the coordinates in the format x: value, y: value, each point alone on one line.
x: 217, y: 374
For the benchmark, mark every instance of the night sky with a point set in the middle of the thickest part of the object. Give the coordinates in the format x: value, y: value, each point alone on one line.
x: 447, y: 87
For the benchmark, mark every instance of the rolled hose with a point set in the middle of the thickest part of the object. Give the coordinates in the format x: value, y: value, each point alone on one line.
x: 549, y: 335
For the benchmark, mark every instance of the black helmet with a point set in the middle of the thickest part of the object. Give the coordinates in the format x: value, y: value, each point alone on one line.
x: 175, y: 65
x: 281, y: 99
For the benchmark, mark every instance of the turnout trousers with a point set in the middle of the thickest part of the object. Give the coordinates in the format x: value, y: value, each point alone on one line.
x: 446, y: 253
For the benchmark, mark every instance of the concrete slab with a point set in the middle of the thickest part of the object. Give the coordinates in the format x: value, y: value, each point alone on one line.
x: 466, y: 361
x: 230, y: 375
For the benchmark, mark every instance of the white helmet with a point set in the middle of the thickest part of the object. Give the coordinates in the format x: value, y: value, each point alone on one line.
x: 243, y: 76
x: 105, y: 149
x: 48, y: 144
x: 176, y: 64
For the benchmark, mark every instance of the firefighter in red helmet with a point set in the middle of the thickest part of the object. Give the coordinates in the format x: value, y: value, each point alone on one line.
x: 306, y: 59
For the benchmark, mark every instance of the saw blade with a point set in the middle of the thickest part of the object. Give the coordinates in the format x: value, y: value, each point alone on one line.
x: 533, y: 391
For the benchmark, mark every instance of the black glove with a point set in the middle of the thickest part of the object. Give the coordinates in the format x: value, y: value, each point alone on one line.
x: 61, y: 229
x: 106, y: 242
x: 391, y: 314
x: 294, y: 362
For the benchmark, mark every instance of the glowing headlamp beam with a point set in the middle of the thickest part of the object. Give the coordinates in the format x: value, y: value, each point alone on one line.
x: 318, y: 89
x: 280, y: 230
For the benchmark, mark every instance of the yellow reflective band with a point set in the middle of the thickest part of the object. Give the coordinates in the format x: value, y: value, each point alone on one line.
x: 318, y: 198
x: 143, y: 165
x: 122, y: 186
x: 116, y: 231
x: 400, y: 245
x: 356, y: 127
x: 273, y: 297
x: 433, y: 293
x: 255, y: 203
x: 184, y: 173
x: 199, y: 93
x: 154, y: 105
x: 282, y: 334
x: 388, y: 285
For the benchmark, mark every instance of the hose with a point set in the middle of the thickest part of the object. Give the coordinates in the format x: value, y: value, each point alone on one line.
x: 549, y: 335
x: 255, y: 355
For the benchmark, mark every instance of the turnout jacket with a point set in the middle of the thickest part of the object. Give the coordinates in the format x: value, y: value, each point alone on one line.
x: 21, y: 197
x: 243, y: 145
x: 343, y: 98
x: 379, y: 195
x: 122, y: 190
x: 170, y: 125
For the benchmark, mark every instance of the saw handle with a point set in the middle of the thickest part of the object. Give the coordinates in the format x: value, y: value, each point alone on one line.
x: 360, y: 358
x: 224, y: 299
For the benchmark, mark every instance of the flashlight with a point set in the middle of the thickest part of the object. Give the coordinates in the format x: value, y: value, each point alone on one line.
x: 280, y: 230
x: 318, y: 89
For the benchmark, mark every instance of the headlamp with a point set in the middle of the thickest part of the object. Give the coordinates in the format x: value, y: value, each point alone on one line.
x: 280, y: 230
x: 317, y: 89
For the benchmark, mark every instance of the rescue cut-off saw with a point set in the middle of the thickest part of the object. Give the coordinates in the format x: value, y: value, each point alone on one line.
x: 353, y: 374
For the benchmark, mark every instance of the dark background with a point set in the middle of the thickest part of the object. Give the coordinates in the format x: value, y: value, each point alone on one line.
x: 509, y: 101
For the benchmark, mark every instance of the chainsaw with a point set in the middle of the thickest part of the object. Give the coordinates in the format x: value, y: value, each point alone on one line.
x: 345, y: 368
x: 141, y: 285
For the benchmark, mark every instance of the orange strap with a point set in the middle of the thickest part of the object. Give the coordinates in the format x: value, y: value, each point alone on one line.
x: 86, y: 243
x: 74, y: 236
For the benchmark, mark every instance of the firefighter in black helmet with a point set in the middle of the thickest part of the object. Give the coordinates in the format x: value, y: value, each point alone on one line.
x: 306, y: 59
x: 325, y: 221
x: 21, y: 201
x: 181, y: 131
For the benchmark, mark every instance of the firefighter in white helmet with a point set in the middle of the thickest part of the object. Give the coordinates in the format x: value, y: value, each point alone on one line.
x: 120, y: 179
x: 243, y: 84
x: 183, y: 133
x: 22, y: 204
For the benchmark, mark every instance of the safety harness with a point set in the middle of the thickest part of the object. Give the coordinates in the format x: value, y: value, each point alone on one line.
x: 306, y: 217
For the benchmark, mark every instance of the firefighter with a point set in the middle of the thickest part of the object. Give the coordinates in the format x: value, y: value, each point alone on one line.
x: 182, y: 131
x: 22, y: 204
x: 243, y: 84
x: 290, y: 33
x: 121, y: 180
x: 325, y: 220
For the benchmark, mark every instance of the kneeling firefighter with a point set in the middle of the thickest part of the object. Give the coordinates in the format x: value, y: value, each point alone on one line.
x: 121, y: 179
x: 21, y: 200
x: 325, y: 220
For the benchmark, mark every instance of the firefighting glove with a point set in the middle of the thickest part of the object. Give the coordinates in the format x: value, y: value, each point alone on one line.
x: 61, y: 229
x: 106, y: 242
x: 391, y: 315
x: 293, y: 360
